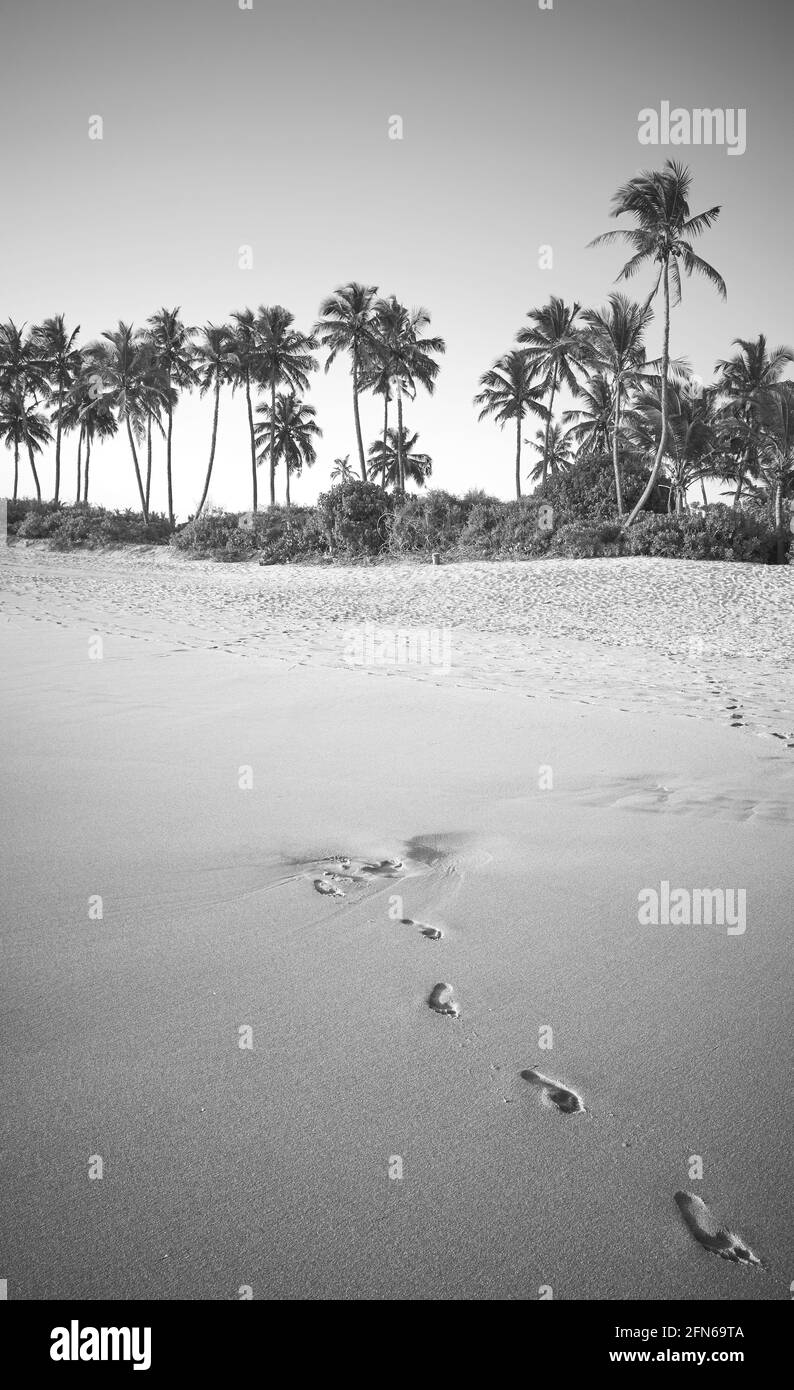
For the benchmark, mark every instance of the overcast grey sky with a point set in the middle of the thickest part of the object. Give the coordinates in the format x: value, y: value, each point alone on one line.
x: 270, y: 127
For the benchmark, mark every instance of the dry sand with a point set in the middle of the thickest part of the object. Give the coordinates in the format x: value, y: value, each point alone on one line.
x: 659, y: 696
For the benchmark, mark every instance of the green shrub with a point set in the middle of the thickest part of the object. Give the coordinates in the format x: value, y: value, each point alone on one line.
x: 432, y: 521
x: 354, y: 518
x: 275, y: 535
x: 587, y: 492
x: 17, y: 511
x: 717, y: 532
x: 84, y: 525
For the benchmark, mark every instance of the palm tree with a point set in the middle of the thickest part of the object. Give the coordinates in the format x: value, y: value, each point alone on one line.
x: 90, y: 413
x: 590, y: 425
x: 553, y: 446
x: 21, y: 425
x: 397, y: 459
x: 294, y: 434
x: 342, y: 471
x: 618, y: 331
x: 557, y: 349
x: 172, y: 356
x: 217, y: 364
x: 775, y: 433
x: 156, y: 397
x: 245, y: 351
x: 61, y: 360
x: 694, y: 430
x: 23, y: 378
x: 116, y: 367
x: 508, y: 394
x: 407, y: 354
x: 348, y: 323
x: 658, y: 201
x: 284, y: 357
x: 747, y: 379
x: 376, y: 376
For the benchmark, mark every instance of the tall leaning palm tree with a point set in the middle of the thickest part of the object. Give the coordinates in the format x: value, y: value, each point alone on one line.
x: 216, y: 360
x: 618, y: 334
x: 557, y: 347
x: 347, y: 323
x: 508, y: 393
x: 295, y: 432
x: 658, y: 201
x: 284, y: 358
x: 61, y: 360
x: 748, y: 379
x: 172, y: 356
x: 407, y: 353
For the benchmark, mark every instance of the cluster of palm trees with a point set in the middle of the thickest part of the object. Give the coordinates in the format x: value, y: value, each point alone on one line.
x: 738, y: 429
x: 132, y: 380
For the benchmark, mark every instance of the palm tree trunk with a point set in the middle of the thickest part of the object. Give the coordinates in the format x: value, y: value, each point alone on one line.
x: 286, y: 465
x: 58, y: 446
x: 167, y: 461
x: 781, y: 543
x: 148, y: 458
x: 138, y: 478
x: 385, y: 438
x: 657, y: 463
x: 33, y: 470
x: 548, y: 426
x: 16, y: 469
x: 519, y: 422
x: 212, y: 447
x: 400, y: 460
x: 703, y: 491
x: 357, y: 417
x: 79, y: 464
x: 273, y: 441
x: 615, y: 458
x: 251, y: 433
x: 88, y: 465
x: 740, y: 479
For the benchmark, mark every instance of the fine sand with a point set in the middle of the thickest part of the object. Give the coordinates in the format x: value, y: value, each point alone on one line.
x: 343, y: 902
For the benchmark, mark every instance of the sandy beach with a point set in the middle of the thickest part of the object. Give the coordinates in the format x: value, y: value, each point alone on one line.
x: 273, y: 818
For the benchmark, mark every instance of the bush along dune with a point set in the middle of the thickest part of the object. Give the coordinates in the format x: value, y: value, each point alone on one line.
x: 568, y: 516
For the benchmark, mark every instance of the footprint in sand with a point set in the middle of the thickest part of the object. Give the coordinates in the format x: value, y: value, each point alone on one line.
x: 341, y: 859
x: 328, y: 889
x: 567, y: 1102
x: 432, y: 933
x: 442, y: 1000
x: 708, y: 1232
x: 386, y: 868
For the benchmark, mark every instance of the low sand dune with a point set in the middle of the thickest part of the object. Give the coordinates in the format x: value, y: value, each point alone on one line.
x: 244, y: 1035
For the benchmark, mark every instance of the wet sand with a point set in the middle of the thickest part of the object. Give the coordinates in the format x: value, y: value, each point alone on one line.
x: 578, y: 750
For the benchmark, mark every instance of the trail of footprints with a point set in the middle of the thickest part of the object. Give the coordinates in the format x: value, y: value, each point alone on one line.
x: 699, y: 1219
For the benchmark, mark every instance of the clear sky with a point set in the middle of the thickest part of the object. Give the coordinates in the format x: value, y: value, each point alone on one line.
x: 270, y: 127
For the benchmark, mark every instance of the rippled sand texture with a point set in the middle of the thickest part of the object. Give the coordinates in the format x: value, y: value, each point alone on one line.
x: 710, y: 641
